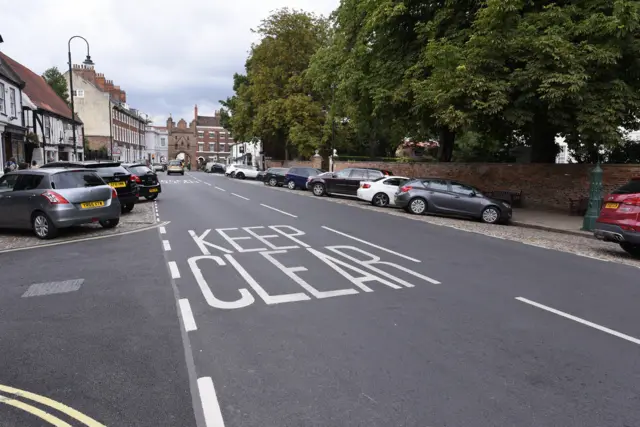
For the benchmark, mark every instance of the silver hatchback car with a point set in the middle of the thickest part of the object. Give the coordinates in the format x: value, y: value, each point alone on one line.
x: 46, y: 200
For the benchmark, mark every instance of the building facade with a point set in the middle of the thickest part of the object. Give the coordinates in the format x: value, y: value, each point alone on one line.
x: 157, y: 142
x: 214, y: 141
x: 12, y: 129
x: 47, y: 119
x: 111, y: 127
x: 182, y: 141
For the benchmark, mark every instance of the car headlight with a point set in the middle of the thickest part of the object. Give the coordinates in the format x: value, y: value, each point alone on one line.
x: 506, y: 205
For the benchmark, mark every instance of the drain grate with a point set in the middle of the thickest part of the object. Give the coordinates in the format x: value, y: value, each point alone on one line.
x: 50, y: 288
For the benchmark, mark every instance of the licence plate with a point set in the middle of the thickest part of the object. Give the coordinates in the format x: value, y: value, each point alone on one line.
x: 153, y: 190
x: 612, y: 205
x: 92, y: 204
x: 118, y: 184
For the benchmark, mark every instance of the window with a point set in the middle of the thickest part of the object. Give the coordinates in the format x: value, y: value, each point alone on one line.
x: 358, y: 174
x: 163, y: 142
x: 212, y: 146
x: 3, y: 106
x: 12, y: 102
x: 212, y: 134
x: 66, y: 180
x: 78, y: 93
x: 223, y: 146
x: 140, y: 170
x: 396, y: 182
x: 27, y: 182
x: 461, y: 189
x: 200, y: 134
x: 47, y: 126
x: 344, y: 173
x: 437, y: 184
x: 7, y: 182
x: 201, y: 146
x: 374, y: 174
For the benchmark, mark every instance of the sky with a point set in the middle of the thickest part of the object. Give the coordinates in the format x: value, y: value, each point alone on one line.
x: 168, y: 56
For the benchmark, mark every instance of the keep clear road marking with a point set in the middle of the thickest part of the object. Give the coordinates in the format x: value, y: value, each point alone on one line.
x: 579, y: 320
x: 173, y: 267
x: 371, y: 244
x: 221, y: 189
x: 278, y: 210
x: 237, y: 195
x: 47, y: 402
x: 187, y: 315
x: 166, y: 245
x: 210, y: 404
x: 163, y: 230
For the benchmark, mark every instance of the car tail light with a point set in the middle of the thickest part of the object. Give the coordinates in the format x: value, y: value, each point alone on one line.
x: 136, y: 179
x: 114, y: 193
x: 405, y: 188
x: 55, y: 198
x: 366, y: 185
x: 634, y: 201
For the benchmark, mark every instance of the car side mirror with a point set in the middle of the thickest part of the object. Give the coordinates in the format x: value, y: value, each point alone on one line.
x: 472, y: 194
x: 334, y: 175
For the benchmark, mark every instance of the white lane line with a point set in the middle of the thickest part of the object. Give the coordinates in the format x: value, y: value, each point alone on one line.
x: 173, y: 267
x: 579, y: 320
x: 373, y: 245
x: 163, y: 230
x: 166, y: 245
x: 221, y: 189
x: 187, y: 315
x: 278, y: 210
x: 237, y: 195
x: 210, y: 404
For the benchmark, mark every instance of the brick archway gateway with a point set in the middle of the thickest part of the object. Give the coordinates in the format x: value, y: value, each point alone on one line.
x: 183, y: 155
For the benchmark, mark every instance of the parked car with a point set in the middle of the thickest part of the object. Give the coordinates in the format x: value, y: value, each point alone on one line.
x: 246, y: 171
x: 381, y: 192
x: 230, y: 171
x: 113, y: 173
x: 260, y: 176
x: 147, y: 180
x: 322, y: 175
x: 47, y: 199
x: 297, y: 177
x: 619, y: 219
x: 442, y: 196
x: 175, y: 166
x: 158, y: 167
x: 346, y: 182
x: 214, y: 168
x: 275, y: 176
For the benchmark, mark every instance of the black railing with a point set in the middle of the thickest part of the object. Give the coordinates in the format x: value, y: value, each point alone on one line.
x: 96, y: 155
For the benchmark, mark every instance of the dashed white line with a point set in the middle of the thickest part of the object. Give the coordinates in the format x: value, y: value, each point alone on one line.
x: 221, y: 189
x: 210, y: 404
x: 163, y: 230
x: 237, y: 195
x: 173, y: 267
x: 579, y: 320
x: 278, y: 210
x: 373, y: 245
x: 187, y: 315
x: 166, y: 245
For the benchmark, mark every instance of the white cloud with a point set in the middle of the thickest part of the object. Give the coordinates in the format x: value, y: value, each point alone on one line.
x: 166, y: 55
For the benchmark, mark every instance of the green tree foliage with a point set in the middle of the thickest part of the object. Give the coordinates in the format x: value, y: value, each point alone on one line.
x: 56, y: 80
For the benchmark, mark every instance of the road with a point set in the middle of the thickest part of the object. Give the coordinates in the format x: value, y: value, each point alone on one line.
x: 256, y: 307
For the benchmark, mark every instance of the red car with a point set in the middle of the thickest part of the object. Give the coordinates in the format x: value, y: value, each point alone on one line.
x: 619, y: 219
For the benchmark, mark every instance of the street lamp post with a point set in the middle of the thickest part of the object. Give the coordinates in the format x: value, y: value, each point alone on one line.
x: 87, y: 61
x: 333, y: 123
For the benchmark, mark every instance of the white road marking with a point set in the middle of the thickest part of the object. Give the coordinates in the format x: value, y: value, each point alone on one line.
x: 210, y: 404
x: 187, y: 315
x: 278, y: 210
x: 579, y: 320
x: 373, y: 245
x: 163, y: 230
x: 173, y: 267
x: 237, y: 195
x: 166, y: 245
x: 221, y: 189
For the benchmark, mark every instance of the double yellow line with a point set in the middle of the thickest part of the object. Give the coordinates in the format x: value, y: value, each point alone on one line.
x: 51, y: 419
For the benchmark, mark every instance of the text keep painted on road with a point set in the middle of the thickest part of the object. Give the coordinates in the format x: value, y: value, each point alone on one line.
x: 357, y: 266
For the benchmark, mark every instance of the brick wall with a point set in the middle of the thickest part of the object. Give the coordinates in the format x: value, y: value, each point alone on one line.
x: 98, y: 142
x: 289, y: 164
x: 543, y: 185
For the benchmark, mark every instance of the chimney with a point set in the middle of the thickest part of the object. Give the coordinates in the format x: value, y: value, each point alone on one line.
x: 123, y: 96
x: 86, y: 72
x: 100, y: 81
x: 169, y: 122
x: 195, y: 112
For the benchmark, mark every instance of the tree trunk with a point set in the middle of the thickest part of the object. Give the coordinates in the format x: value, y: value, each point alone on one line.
x: 543, y: 140
x: 447, y: 140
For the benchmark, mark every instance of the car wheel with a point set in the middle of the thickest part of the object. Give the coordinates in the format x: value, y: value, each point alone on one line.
x: 381, y: 200
x: 43, y: 227
x: 291, y: 185
x: 151, y: 197
x: 631, y: 249
x: 240, y: 175
x: 182, y: 174
x: 417, y: 206
x: 109, y: 223
x: 128, y: 207
x: 273, y: 182
x: 491, y: 215
x: 318, y: 189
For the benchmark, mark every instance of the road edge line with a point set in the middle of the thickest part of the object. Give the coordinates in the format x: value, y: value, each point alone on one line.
x: 209, y: 400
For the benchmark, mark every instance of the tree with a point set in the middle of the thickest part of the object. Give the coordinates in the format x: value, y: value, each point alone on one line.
x: 56, y: 80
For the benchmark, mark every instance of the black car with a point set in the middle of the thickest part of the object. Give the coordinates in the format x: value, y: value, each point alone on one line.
x: 275, y: 176
x: 147, y: 180
x: 345, y: 182
x: 297, y: 177
x: 217, y: 168
x: 114, y: 174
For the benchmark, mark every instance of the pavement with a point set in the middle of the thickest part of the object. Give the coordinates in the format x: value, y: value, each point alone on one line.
x: 264, y: 307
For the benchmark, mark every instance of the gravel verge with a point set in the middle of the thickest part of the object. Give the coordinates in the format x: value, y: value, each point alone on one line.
x: 142, y: 216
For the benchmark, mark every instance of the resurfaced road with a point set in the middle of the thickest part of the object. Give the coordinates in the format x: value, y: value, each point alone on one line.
x: 292, y: 311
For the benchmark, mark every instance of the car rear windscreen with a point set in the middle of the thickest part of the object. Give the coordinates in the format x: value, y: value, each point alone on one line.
x: 79, y: 179
x: 140, y: 170
x: 630, y: 187
x: 110, y: 170
x: 175, y: 163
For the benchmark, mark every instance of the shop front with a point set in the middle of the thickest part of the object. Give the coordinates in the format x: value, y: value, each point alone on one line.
x: 13, y: 145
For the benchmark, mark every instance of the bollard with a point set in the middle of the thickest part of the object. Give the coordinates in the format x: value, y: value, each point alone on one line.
x: 595, y: 199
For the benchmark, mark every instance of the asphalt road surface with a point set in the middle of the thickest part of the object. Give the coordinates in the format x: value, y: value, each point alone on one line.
x: 255, y: 307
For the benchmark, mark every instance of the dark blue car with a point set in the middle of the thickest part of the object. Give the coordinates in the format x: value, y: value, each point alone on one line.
x: 297, y: 177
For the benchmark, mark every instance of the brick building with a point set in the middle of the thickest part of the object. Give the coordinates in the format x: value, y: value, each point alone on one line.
x: 109, y: 122
x: 202, y: 141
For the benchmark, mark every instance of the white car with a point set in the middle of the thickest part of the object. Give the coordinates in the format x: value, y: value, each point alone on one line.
x: 381, y: 192
x: 246, y: 171
x: 231, y: 169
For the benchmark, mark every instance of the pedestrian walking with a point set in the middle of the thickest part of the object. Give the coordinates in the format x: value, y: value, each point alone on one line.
x: 34, y: 165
